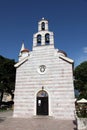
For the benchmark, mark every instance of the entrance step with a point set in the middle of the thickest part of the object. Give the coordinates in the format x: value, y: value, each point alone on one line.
x: 43, y: 117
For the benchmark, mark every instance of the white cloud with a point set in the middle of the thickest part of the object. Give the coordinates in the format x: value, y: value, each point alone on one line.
x: 82, y: 56
x: 80, y: 59
x: 85, y: 49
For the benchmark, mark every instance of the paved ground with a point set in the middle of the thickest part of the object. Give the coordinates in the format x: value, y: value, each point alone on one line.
x: 7, y: 122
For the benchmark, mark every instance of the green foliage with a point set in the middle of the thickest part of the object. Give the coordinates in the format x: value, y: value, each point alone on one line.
x: 7, y: 75
x: 81, y: 110
x: 80, y: 83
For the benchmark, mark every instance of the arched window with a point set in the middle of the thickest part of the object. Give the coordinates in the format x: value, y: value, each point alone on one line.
x: 47, y: 38
x: 39, y: 40
x: 43, y: 26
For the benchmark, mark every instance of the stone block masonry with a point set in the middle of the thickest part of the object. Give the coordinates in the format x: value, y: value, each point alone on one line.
x: 44, y: 69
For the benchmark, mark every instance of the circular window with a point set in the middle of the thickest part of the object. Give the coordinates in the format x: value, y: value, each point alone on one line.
x: 42, y: 69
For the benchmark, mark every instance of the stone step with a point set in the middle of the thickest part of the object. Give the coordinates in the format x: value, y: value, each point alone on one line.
x: 42, y: 117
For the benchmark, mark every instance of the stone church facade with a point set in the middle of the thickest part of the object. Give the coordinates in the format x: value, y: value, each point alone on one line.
x: 44, y: 79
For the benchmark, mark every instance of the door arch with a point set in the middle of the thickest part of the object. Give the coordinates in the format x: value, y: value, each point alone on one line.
x: 42, y: 103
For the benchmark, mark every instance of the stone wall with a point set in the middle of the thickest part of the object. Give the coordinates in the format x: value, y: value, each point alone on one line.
x: 82, y: 123
x: 57, y: 81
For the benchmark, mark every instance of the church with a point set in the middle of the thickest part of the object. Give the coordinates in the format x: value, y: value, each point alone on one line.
x: 44, y: 79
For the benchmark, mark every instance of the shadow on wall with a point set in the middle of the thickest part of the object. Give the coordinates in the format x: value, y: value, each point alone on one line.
x: 75, y: 124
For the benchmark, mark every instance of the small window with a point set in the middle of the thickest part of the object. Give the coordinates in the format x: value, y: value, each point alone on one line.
x: 43, y: 26
x: 39, y: 39
x: 47, y: 39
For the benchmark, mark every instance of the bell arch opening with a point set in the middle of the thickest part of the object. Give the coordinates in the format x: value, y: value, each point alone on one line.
x: 42, y: 103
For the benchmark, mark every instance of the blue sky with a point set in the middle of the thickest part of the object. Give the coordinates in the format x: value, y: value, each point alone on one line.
x: 67, y: 19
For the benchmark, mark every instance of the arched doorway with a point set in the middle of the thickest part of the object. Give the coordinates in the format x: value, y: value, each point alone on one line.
x: 42, y: 103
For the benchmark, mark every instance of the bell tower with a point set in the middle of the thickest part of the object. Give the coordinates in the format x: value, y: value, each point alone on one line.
x: 43, y: 37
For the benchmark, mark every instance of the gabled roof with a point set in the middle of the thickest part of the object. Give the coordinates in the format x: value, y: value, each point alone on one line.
x: 21, y: 62
x: 66, y: 59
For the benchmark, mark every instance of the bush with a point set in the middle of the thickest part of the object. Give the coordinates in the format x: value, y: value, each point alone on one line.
x: 6, y: 105
x: 81, y: 111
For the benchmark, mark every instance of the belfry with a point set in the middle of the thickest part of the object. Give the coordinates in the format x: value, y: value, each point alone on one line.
x: 44, y: 79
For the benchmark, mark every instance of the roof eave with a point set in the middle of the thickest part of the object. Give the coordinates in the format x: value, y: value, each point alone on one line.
x: 67, y: 59
x: 21, y: 62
